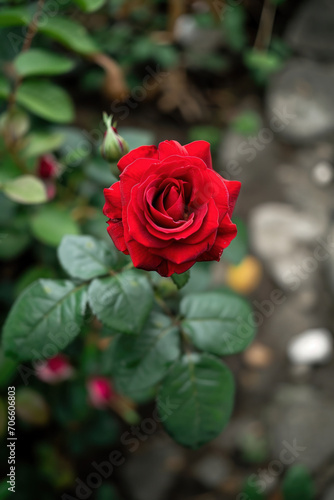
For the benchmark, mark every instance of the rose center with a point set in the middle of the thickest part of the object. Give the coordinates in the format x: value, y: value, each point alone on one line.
x: 170, y: 200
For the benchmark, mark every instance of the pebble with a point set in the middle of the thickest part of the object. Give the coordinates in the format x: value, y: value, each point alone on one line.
x: 322, y: 173
x: 258, y: 356
x: 311, y: 347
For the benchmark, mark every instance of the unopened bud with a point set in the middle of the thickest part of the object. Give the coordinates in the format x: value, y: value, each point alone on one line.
x: 113, y: 146
x: 54, y: 370
x: 100, y: 392
x: 48, y: 167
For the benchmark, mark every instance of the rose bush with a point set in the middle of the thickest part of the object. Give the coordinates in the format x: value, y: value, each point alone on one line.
x: 170, y: 209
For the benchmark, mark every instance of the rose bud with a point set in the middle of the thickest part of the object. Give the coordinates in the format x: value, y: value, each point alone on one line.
x: 47, y: 167
x: 54, y: 370
x: 100, y: 392
x: 170, y: 209
x: 113, y: 146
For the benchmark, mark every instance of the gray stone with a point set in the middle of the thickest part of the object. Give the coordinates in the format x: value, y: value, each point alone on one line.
x: 301, y: 419
x: 281, y: 236
x: 301, y: 94
x: 188, y: 33
x: 212, y: 470
x: 329, y: 495
x: 311, y: 347
x: 149, y: 473
x: 310, y: 32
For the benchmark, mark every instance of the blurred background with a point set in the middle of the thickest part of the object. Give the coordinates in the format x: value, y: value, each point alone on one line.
x: 255, y: 79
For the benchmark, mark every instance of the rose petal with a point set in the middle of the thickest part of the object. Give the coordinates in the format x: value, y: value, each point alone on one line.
x: 226, y: 233
x: 170, y: 148
x: 200, y: 149
x: 167, y: 268
x: 113, y: 205
x: 233, y: 188
x: 135, y: 154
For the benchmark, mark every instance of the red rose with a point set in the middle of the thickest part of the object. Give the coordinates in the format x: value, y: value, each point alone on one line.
x: 170, y: 209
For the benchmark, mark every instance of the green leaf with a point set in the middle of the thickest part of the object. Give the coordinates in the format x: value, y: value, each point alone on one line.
x: 39, y: 143
x: 218, y: 322
x: 52, y: 223
x: 262, y: 63
x: 46, y: 100
x: 26, y: 189
x: 246, y: 123
x: 122, y: 302
x: 45, y: 318
x: 90, y: 5
x: 4, y: 88
x: 69, y: 33
x: 4, y: 491
x: 16, y: 16
x: 141, y: 362
x: 195, y: 400
x: 238, y: 249
x: 41, y: 62
x: 85, y: 257
x: 7, y: 369
x: 181, y: 280
x: 32, y: 274
x: 234, y: 25
x: 13, y: 240
x: 298, y: 484
x: 251, y: 491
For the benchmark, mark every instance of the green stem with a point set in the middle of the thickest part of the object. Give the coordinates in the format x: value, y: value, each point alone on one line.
x: 31, y: 32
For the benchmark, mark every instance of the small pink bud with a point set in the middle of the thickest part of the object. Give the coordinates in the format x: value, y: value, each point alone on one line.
x: 47, y: 167
x: 113, y: 145
x: 100, y: 392
x: 54, y: 370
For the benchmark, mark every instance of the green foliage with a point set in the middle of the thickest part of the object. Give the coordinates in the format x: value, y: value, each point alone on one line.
x: 48, y: 314
x: 181, y: 280
x: 15, y: 16
x: 262, y: 64
x: 109, y: 319
x: 52, y: 223
x: 36, y: 62
x: 90, y: 5
x: 145, y: 358
x: 298, y: 484
x: 217, y: 322
x: 115, y: 301
x: 46, y: 100
x: 251, y: 492
x: 234, y: 27
x: 246, y: 123
x: 8, y: 369
x: 39, y: 143
x: 4, y: 88
x: 195, y: 400
x: 85, y: 257
x: 13, y: 240
x: 69, y: 33
x: 25, y: 189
